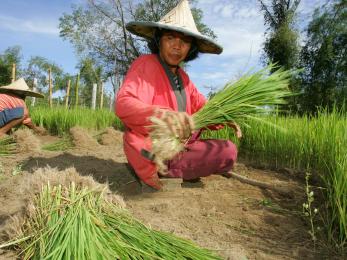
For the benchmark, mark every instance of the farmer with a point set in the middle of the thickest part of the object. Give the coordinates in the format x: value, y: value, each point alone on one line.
x: 13, y: 111
x: 156, y: 84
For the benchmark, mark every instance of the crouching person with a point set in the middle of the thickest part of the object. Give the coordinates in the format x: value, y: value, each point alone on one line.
x: 13, y: 110
x: 156, y: 82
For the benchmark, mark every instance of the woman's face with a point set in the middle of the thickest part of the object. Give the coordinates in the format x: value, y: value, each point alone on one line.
x: 174, y: 47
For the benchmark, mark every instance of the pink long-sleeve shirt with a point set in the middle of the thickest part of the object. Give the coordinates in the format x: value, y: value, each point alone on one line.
x: 9, y: 101
x: 145, y: 88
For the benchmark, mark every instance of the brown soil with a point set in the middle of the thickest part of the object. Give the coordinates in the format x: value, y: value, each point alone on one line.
x: 237, y: 220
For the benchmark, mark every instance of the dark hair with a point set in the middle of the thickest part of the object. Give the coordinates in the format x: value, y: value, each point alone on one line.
x: 153, y: 45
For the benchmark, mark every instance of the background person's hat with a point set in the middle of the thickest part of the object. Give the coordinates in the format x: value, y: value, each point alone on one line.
x: 179, y: 19
x: 20, y: 87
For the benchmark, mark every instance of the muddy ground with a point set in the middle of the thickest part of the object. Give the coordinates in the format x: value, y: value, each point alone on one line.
x: 236, y: 220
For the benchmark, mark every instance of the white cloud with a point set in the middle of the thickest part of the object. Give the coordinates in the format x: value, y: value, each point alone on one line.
x: 30, y: 26
x: 240, y: 41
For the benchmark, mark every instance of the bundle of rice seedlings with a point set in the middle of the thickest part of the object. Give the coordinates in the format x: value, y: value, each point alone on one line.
x: 76, y: 222
x: 7, y: 146
x: 61, y: 145
x: 249, y: 98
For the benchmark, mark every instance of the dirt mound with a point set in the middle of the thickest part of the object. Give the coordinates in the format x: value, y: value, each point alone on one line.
x: 112, y: 137
x: 82, y: 139
x: 17, y: 203
x: 27, y: 141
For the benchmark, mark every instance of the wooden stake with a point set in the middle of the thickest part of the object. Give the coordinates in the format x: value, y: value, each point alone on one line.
x: 50, y: 87
x: 101, y: 95
x: 76, y: 90
x: 67, y: 94
x: 13, y: 77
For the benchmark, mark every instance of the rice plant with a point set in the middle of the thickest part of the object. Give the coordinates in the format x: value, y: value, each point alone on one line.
x: 80, y: 223
x: 59, y: 120
x: 310, y: 144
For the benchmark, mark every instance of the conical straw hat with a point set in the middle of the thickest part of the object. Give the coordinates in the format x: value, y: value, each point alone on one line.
x: 20, y: 87
x: 179, y: 19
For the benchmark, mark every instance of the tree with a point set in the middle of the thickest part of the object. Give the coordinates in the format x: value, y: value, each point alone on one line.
x: 97, y: 30
x: 38, y: 68
x: 90, y: 74
x: 10, y: 55
x: 281, y: 43
x: 324, y: 57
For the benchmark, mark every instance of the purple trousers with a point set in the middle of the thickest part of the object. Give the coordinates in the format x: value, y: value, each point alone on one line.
x: 203, y: 158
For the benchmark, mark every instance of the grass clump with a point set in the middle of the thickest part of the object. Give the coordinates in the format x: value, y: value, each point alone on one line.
x: 72, y: 222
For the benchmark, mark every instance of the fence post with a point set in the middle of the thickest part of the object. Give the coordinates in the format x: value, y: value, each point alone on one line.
x: 94, y: 96
x: 13, y: 77
x: 50, y: 86
x: 101, y: 95
x: 76, y: 90
x: 33, y: 100
x: 67, y: 94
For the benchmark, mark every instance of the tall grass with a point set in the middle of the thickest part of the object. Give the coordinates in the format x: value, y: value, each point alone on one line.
x: 315, y: 144
x: 59, y: 120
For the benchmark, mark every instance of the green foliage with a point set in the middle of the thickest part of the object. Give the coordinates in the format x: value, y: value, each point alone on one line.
x: 324, y: 58
x: 90, y: 74
x: 38, y: 68
x: 281, y: 44
x: 7, y: 58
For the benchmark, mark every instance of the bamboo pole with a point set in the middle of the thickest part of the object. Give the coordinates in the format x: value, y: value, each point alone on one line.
x: 76, y: 90
x: 50, y: 87
x: 67, y: 94
x: 101, y: 95
x: 13, y: 76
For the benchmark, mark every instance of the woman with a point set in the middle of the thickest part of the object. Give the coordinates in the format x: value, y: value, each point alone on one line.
x: 13, y: 110
x: 155, y: 84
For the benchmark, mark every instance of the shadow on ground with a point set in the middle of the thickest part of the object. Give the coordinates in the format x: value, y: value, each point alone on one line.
x: 120, y: 177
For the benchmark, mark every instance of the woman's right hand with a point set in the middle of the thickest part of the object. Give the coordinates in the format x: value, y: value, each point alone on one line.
x: 180, y: 123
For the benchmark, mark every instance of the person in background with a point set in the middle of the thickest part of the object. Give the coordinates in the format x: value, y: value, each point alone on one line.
x: 156, y: 84
x: 13, y: 110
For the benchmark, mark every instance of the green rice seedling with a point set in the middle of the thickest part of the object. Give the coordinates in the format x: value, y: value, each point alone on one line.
x: 81, y: 223
x: 7, y: 146
x: 59, y: 120
x: 61, y: 145
x: 315, y: 144
x: 251, y: 97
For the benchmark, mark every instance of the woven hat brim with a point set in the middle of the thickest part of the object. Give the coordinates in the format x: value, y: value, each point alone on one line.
x: 147, y: 30
x: 21, y: 92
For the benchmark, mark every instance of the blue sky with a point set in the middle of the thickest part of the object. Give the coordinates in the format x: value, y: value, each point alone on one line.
x: 238, y: 25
